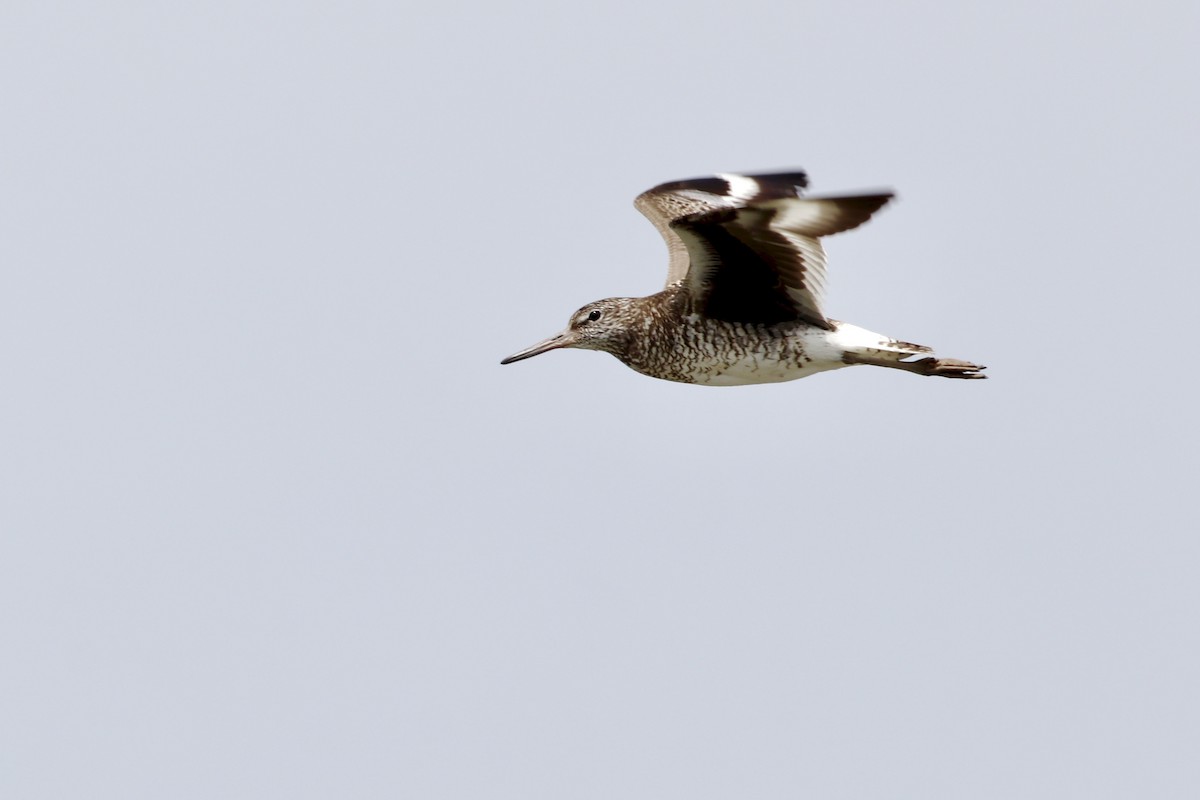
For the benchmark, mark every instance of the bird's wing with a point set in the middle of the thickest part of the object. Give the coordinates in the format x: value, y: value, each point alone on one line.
x: 761, y: 260
x: 668, y: 202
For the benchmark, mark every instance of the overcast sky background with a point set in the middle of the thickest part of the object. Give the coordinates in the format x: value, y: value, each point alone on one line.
x: 275, y: 522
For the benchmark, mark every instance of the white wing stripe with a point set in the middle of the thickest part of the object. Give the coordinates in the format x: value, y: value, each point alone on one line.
x: 741, y: 187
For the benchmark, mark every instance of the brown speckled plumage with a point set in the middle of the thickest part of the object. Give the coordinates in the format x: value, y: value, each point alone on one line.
x: 670, y: 341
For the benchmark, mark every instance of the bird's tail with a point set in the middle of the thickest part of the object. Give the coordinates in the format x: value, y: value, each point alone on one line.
x: 861, y: 346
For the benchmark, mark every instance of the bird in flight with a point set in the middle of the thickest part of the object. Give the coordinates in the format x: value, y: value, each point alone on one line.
x: 743, y: 300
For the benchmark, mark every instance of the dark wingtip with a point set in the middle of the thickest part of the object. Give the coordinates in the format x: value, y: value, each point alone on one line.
x: 709, y: 183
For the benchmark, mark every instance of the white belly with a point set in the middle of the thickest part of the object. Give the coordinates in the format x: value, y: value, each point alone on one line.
x: 752, y: 370
x: 821, y: 354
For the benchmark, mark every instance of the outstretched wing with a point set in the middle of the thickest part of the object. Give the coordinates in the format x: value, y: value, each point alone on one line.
x: 761, y: 259
x: 668, y: 202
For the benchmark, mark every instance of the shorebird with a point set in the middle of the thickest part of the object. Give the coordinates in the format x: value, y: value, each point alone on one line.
x: 742, y: 303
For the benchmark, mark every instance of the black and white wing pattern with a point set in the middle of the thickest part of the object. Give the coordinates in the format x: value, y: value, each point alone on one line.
x: 668, y: 202
x: 752, y: 252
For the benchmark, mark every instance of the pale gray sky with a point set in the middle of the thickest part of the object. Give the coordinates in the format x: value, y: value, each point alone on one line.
x: 275, y: 523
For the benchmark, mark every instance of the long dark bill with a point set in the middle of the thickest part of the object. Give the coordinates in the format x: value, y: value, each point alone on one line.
x: 553, y: 343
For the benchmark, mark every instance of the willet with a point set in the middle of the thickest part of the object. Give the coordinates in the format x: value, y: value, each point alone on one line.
x: 742, y: 302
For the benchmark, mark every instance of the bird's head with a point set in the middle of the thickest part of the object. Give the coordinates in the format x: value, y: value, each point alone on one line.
x: 602, y: 325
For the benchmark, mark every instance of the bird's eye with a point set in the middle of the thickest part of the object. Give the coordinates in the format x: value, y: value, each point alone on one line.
x: 593, y: 316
